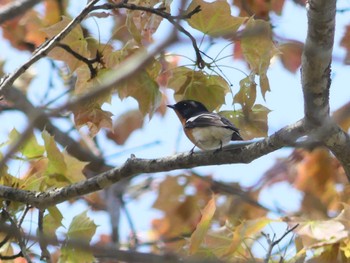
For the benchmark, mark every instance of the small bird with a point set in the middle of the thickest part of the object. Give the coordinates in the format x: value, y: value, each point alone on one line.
x: 206, y: 130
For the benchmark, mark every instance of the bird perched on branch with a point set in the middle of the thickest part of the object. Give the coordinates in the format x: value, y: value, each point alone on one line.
x: 206, y: 130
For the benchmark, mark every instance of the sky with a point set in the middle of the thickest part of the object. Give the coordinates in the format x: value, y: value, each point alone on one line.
x: 285, y: 101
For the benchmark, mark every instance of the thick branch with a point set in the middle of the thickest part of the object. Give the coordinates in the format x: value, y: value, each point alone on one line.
x: 16, y: 8
x: 316, y: 60
x: 338, y: 142
x: 134, y: 166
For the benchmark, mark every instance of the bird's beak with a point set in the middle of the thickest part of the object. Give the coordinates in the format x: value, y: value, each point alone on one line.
x: 171, y: 106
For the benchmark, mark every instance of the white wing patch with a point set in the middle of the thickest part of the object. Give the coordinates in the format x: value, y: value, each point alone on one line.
x: 203, y: 115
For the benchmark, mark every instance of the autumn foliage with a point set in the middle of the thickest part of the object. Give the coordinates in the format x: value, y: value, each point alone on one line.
x: 69, y: 122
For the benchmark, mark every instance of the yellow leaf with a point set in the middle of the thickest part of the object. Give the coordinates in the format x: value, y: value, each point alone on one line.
x: 203, y: 226
x: 215, y: 18
x: 345, y: 247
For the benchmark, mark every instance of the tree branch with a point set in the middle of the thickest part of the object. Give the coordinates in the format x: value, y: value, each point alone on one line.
x: 45, y: 48
x: 134, y: 166
x: 316, y: 60
x: 16, y: 8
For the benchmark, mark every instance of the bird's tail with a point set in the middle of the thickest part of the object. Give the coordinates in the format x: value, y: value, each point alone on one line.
x: 236, y: 137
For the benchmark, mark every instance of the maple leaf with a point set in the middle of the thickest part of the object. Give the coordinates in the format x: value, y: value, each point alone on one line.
x: 81, y: 228
x: 198, y: 85
x: 258, y: 49
x: 91, y: 115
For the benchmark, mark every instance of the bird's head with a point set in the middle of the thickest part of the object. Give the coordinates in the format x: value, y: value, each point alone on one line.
x: 188, y: 108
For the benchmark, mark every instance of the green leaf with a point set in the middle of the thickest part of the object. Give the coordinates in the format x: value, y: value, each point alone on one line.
x: 258, y: 49
x: 198, y: 85
x: 81, y: 229
x: 203, y: 226
x: 56, y: 165
x: 31, y: 148
x: 215, y: 18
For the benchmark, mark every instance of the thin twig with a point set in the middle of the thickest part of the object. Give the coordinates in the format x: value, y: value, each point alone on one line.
x: 272, y: 243
x: 16, y: 232
x: 45, y: 254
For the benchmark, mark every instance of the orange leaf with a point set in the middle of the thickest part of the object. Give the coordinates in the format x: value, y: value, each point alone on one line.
x: 291, y: 55
x: 125, y: 125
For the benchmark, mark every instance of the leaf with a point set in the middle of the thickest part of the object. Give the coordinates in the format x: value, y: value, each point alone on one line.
x: 214, y: 19
x: 198, y: 85
x: 252, y: 124
x: 345, y: 247
x: 125, y: 125
x: 75, y: 172
x: 75, y: 40
x: 169, y: 191
x: 91, y: 115
x: 57, y: 171
x: 260, y: 8
x: 81, y: 229
x: 203, y: 226
x: 142, y: 25
x: 342, y: 116
x: 246, y: 95
x: 23, y: 32
x: 56, y: 165
x: 258, y: 49
x: 53, y: 11
x: 30, y: 149
x: 247, y: 229
x: 291, y: 55
x: 345, y: 42
x: 316, y: 169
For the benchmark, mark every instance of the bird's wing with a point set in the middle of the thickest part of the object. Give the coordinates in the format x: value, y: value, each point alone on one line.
x: 212, y: 119
x: 209, y: 119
